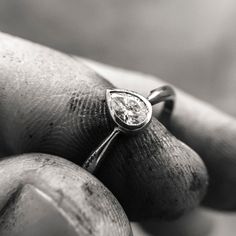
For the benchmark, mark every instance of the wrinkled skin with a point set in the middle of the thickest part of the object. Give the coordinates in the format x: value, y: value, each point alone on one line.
x: 17, y: 136
x: 42, y: 194
x: 59, y: 106
x: 200, y: 61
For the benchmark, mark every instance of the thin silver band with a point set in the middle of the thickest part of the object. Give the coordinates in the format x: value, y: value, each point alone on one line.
x: 95, y: 159
x: 162, y: 94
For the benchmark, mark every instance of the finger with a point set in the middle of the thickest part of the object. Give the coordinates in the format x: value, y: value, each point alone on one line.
x: 46, y: 195
x: 201, y: 221
x: 54, y: 104
x: 210, y: 132
x: 196, y: 222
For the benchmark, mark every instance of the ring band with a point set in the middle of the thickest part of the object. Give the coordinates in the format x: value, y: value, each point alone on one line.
x: 131, y: 113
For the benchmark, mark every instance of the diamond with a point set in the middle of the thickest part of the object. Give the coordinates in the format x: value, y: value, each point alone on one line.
x: 131, y: 109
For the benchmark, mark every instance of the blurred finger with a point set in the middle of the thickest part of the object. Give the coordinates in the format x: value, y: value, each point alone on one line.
x: 54, y: 104
x: 46, y: 195
x: 194, y: 223
x: 210, y: 132
x: 201, y: 221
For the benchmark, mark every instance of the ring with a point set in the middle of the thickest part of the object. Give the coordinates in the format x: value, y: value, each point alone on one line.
x: 131, y: 113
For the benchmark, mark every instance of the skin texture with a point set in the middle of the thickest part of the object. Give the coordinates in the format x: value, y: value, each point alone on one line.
x: 184, y: 42
x: 52, y: 103
x: 46, y: 195
x: 210, y: 132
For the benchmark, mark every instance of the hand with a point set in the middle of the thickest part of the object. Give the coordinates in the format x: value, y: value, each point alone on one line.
x: 46, y: 195
x: 208, y: 131
x: 46, y: 100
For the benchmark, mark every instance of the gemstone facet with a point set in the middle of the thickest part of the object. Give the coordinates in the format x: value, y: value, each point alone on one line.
x: 131, y: 109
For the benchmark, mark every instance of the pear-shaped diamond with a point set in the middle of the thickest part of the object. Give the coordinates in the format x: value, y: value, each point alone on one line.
x: 130, y: 108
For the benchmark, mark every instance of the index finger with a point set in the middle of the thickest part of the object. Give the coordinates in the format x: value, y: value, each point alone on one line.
x: 54, y: 104
x: 210, y: 132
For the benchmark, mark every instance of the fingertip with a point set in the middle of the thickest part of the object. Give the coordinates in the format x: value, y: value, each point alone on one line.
x: 154, y: 175
x: 45, y: 190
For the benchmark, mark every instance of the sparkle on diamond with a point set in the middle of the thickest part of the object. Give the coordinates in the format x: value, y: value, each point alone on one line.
x: 129, y: 108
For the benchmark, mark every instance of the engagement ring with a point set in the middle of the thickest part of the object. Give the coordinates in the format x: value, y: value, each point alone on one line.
x: 131, y: 113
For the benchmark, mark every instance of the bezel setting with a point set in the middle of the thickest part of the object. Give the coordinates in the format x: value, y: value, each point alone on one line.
x: 134, y: 97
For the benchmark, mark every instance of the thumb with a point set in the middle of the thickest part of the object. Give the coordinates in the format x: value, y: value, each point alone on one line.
x: 46, y: 195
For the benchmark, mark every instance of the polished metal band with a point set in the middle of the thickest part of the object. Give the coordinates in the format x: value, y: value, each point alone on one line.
x: 164, y: 94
